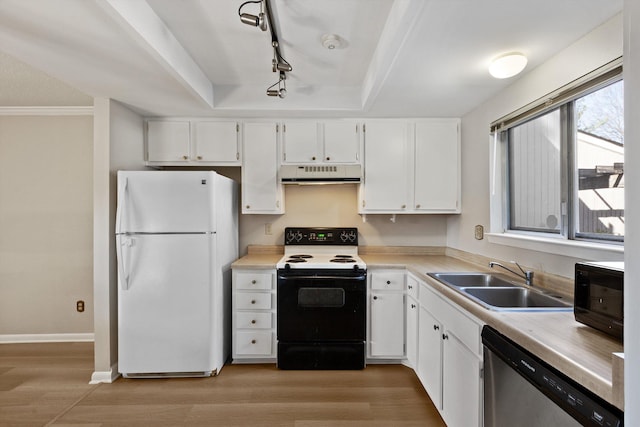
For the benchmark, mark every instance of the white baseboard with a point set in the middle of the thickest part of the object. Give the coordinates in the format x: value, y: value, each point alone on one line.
x: 42, y: 338
x: 105, y: 376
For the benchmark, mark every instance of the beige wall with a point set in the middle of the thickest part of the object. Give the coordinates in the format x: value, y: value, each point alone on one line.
x: 336, y: 206
x: 46, y: 218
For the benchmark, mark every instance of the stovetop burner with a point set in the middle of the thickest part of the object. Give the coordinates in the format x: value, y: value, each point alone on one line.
x: 295, y: 260
x: 342, y: 260
x: 302, y: 256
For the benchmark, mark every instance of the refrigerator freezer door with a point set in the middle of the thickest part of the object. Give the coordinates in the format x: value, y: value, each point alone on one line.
x: 165, y: 201
x: 165, y: 311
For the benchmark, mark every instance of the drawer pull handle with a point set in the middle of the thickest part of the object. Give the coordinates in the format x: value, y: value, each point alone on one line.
x: 253, y: 322
x: 388, y: 282
x: 253, y: 341
x: 413, y: 306
x: 253, y: 301
x: 436, y: 327
x: 410, y: 287
x: 253, y: 282
x: 375, y: 297
x: 445, y: 336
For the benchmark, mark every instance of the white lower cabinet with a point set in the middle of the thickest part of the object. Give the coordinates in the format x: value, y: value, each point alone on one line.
x: 253, y: 316
x: 430, y: 356
x: 411, y: 322
x: 461, y: 384
x: 386, y: 311
x: 450, y: 359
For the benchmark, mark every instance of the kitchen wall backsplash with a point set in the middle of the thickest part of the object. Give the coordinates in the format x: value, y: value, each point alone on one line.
x: 336, y: 205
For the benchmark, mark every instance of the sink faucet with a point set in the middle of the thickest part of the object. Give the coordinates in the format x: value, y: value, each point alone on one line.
x: 526, y: 275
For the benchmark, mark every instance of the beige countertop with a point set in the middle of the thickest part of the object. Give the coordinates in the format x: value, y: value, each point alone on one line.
x: 578, y: 351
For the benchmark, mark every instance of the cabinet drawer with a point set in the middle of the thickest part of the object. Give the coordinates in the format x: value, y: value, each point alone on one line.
x: 249, y: 320
x: 254, y: 342
x: 253, y: 301
x: 252, y: 280
x: 387, y: 280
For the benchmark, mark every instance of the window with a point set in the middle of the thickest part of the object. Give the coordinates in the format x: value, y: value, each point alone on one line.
x: 565, y: 165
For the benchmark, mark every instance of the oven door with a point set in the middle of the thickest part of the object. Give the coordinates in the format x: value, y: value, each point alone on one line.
x: 321, y: 305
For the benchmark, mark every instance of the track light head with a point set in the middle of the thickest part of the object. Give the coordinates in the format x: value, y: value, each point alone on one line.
x: 283, y: 66
x: 253, y: 20
x: 277, y: 92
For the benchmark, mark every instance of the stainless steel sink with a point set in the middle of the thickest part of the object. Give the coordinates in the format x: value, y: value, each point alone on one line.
x: 499, y: 293
x: 516, y: 298
x: 464, y: 280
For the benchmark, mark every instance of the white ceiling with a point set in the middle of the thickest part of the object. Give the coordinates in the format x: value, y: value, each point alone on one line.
x: 195, y: 58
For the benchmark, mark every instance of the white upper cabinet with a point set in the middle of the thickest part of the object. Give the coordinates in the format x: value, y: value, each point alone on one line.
x: 197, y: 143
x: 411, y: 167
x: 387, y: 159
x: 168, y: 141
x: 300, y: 142
x: 262, y: 192
x: 321, y: 142
x: 341, y: 142
x: 437, y: 166
x: 216, y: 141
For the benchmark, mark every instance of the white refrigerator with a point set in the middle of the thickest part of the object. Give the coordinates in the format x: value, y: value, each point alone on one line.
x: 176, y: 237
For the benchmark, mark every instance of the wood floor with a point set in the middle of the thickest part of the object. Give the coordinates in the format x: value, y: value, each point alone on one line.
x: 47, y: 384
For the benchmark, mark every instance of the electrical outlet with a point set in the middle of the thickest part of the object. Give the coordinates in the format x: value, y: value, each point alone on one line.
x: 267, y: 228
x: 479, y: 232
x: 80, y: 306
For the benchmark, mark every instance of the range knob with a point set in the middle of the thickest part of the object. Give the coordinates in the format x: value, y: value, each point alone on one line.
x: 290, y: 237
x: 298, y: 236
x: 352, y: 236
x: 344, y: 236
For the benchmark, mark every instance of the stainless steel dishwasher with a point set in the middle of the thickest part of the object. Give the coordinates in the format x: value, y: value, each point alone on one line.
x: 522, y: 390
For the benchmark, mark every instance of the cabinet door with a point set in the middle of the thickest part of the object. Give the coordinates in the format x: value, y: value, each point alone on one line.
x: 300, y: 142
x: 461, y: 394
x: 261, y: 191
x: 412, y: 333
x: 341, y: 142
x: 387, y: 171
x: 437, y: 166
x: 168, y: 141
x: 216, y: 142
x: 387, y: 325
x: 430, y: 356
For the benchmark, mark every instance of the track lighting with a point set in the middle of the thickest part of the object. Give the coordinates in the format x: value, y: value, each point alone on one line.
x: 278, y: 63
x: 281, y: 91
x: 259, y: 20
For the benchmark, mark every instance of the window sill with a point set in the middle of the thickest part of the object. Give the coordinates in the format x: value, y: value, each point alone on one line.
x: 576, y: 249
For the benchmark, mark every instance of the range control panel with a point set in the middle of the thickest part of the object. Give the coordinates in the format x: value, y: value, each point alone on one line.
x: 321, y: 236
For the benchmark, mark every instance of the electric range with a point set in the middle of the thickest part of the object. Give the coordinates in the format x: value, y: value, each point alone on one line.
x: 322, y: 303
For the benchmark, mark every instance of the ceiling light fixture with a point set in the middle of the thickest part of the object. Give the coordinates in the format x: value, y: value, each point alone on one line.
x: 507, y: 65
x: 264, y: 20
x: 258, y: 20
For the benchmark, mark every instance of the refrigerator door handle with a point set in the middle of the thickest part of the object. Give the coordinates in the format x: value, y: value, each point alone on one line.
x: 122, y: 191
x: 122, y: 271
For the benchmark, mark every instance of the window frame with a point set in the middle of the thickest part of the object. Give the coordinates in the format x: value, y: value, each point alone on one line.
x: 568, y: 234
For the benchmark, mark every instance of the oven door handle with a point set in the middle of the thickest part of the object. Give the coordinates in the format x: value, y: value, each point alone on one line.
x: 362, y: 277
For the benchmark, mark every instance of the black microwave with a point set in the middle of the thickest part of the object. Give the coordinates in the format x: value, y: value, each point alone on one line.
x: 599, y: 296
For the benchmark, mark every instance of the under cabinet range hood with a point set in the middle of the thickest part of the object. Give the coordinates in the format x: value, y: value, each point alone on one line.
x: 320, y: 174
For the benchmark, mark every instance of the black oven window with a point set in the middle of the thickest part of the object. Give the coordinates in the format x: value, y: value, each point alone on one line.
x: 320, y: 297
